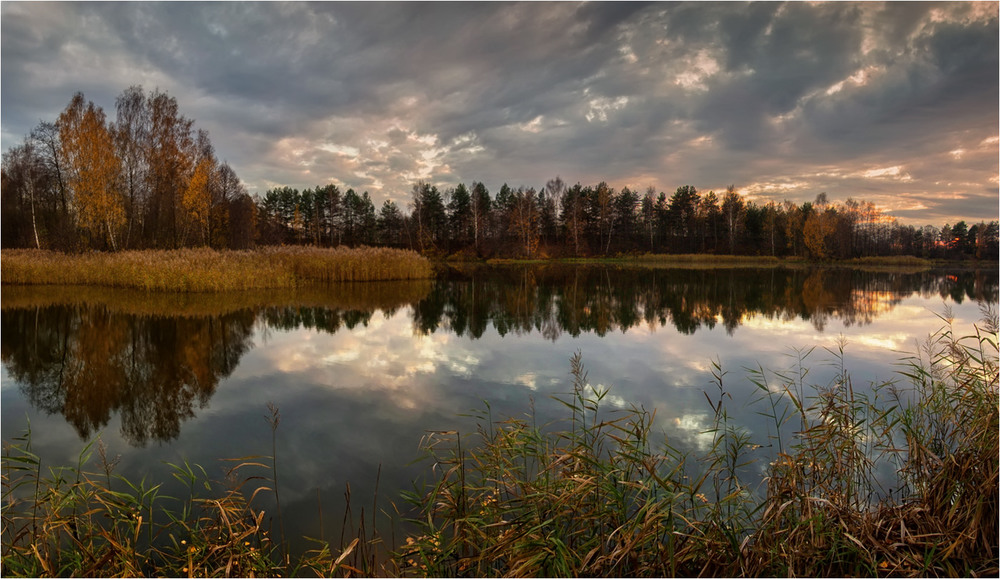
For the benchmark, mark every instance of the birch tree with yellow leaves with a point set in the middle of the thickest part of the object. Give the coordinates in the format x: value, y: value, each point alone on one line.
x: 93, y: 169
x: 196, y: 203
x: 196, y: 199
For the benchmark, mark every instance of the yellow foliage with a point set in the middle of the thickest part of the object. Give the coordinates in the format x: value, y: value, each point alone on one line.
x: 93, y: 169
x: 815, y: 231
x: 196, y: 199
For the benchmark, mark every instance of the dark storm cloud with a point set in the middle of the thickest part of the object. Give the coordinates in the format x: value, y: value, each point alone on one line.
x: 896, y: 102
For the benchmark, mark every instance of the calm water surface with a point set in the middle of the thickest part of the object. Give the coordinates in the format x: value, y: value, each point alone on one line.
x: 360, y: 373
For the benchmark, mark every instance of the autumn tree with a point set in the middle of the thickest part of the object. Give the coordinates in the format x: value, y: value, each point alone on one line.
x: 795, y: 218
x: 196, y: 201
x: 819, y: 226
x: 524, y: 220
x: 225, y: 189
x: 93, y: 168
x: 131, y: 136
x: 170, y: 159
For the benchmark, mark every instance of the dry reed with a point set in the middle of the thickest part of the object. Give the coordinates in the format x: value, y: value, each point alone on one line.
x: 599, y: 498
x: 207, y: 270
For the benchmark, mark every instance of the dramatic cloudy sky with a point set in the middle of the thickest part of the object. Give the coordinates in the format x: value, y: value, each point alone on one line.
x: 895, y: 103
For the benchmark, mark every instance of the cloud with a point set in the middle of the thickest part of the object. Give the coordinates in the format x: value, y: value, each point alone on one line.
x: 374, y: 95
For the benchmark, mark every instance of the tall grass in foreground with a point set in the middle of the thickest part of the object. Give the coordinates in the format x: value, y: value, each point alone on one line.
x: 207, y: 270
x: 86, y: 521
x: 597, y: 493
x: 600, y: 496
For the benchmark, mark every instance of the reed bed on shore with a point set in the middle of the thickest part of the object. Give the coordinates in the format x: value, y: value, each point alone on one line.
x: 597, y: 493
x: 207, y: 270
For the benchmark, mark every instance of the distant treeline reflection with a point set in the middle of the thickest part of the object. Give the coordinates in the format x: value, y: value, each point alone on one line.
x: 75, y: 354
x: 554, y: 300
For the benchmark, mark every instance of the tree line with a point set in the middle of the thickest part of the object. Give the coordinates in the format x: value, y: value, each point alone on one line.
x: 148, y: 179
x: 557, y: 220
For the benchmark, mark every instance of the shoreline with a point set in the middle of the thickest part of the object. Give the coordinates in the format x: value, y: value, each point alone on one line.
x: 290, y: 267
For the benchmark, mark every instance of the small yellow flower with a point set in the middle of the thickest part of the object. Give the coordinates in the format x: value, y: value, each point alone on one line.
x: 246, y: 543
x: 183, y: 542
x: 883, y: 565
x: 192, y: 549
x: 185, y: 569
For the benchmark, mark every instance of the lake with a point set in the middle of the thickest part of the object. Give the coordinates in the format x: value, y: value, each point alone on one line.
x: 360, y: 373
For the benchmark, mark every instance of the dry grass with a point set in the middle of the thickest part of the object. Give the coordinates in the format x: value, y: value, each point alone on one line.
x: 898, y: 260
x: 207, y: 270
x: 600, y: 498
x: 708, y: 258
x: 86, y: 521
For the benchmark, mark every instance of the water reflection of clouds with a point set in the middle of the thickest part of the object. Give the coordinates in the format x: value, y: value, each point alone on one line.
x: 358, y: 396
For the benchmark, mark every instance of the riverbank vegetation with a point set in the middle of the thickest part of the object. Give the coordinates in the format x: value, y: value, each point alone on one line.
x: 208, y: 270
x: 895, y: 479
x: 148, y: 180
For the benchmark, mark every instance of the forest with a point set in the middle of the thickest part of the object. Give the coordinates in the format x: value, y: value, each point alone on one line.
x: 147, y: 179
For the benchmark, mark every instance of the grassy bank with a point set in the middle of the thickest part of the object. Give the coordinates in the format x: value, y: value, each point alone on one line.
x: 207, y: 270
x: 596, y: 494
x: 700, y: 260
x: 664, y: 259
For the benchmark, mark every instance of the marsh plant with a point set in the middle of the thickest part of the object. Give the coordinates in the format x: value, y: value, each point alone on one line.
x: 208, y: 270
x: 889, y: 479
x: 87, y: 521
x: 600, y: 494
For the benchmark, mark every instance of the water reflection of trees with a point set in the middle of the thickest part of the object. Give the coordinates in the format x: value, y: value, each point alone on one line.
x: 88, y: 353
x: 573, y: 300
x: 88, y: 362
x: 152, y: 362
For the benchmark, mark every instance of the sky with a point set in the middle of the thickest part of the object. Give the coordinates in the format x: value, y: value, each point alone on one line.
x: 892, y: 103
